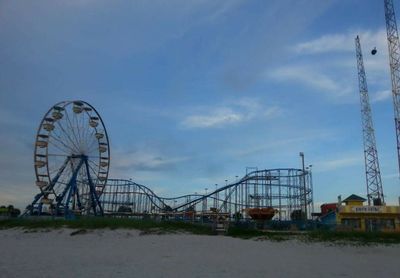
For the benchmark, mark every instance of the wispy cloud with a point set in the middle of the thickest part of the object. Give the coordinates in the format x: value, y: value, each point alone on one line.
x: 142, y: 160
x: 286, y: 143
x: 217, y: 117
x: 381, y: 96
x: 327, y: 43
x: 338, y: 163
x: 343, y: 42
x: 311, y: 78
x: 334, y: 76
x: 391, y: 176
x: 242, y: 110
x: 222, y: 9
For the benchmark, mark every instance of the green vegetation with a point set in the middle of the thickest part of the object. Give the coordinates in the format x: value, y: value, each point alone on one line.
x: 254, y: 233
x: 9, y: 211
x: 319, y: 236
x: 81, y: 225
x: 91, y: 223
x: 354, y: 237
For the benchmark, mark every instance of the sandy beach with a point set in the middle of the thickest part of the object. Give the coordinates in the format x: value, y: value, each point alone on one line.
x: 130, y: 253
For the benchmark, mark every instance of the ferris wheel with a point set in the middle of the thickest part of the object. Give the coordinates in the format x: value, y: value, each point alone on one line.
x: 71, y: 160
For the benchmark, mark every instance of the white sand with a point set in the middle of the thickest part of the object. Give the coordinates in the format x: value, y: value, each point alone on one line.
x: 126, y: 253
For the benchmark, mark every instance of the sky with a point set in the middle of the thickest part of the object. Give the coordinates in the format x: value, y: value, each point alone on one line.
x: 193, y: 92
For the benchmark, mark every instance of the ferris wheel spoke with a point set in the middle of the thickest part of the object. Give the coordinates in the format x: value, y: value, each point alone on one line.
x: 94, y: 176
x: 71, y: 127
x: 91, y: 166
x: 77, y: 129
x: 94, y: 156
x: 54, y: 154
x: 94, y: 163
x: 94, y: 167
x: 57, y: 147
x: 90, y: 137
x: 89, y: 144
x: 81, y: 129
x: 58, y: 139
x: 90, y: 132
x: 85, y: 130
x: 67, y: 135
x: 93, y: 148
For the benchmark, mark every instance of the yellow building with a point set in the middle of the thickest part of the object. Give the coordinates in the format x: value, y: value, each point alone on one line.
x: 353, y: 215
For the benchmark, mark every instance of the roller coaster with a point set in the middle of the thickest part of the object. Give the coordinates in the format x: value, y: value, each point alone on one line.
x: 286, y: 190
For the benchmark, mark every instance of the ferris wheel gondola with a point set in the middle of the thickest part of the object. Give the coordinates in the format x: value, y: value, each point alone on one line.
x: 71, y: 160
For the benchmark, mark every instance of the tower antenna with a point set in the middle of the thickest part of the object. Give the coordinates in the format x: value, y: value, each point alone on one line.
x: 394, y: 59
x: 372, y: 172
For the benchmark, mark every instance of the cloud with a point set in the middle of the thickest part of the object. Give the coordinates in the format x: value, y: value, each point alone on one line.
x: 343, y: 42
x: 327, y: 43
x: 286, y: 144
x: 391, y: 176
x: 142, y: 160
x: 381, y: 96
x: 242, y: 110
x: 217, y: 117
x: 338, y: 163
x: 222, y: 9
x: 311, y: 78
x: 335, y: 73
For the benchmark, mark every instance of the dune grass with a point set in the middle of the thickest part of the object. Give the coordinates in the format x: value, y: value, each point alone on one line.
x: 92, y: 223
x: 335, y: 237
x: 354, y: 237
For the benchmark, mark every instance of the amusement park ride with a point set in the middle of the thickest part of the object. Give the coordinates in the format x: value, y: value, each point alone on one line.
x: 72, y: 160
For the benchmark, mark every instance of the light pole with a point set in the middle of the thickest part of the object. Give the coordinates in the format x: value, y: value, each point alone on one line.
x: 226, y: 196
x: 216, y: 196
x: 304, y: 185
x: 205, y: 199
x: 312, y: 189
x: 236, y: 198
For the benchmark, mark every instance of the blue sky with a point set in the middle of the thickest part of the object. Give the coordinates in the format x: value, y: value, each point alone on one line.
x: 193, y: 92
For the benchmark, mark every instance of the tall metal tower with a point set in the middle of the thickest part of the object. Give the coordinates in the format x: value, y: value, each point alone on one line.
x: 394, y: 59
x: 372, y: 172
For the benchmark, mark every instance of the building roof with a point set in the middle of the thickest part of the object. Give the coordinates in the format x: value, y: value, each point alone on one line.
x: 354, y: 197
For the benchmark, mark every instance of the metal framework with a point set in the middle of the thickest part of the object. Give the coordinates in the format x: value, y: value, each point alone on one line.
x: 71, y: 161
x: 288, y: 191
x: 394, y: 59
x: 372, y: 171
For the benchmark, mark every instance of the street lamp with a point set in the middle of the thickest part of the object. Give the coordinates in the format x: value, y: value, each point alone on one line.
x: 304, y: 185
x: 312, y: 189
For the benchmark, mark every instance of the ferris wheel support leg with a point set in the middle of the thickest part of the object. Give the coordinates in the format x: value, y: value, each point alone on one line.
x: 55, y: 179
x: 78, y: 199
x: 69, y: 188
x: 94, y: 197
x: 48, y: 188
x: 71, y: 192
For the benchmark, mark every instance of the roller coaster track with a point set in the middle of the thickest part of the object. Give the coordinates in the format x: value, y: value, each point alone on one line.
x: 285, y: 189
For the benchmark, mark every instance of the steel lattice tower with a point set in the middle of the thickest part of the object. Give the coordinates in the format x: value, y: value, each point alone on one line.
x: 394, y: 59
x: 372, y: 172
